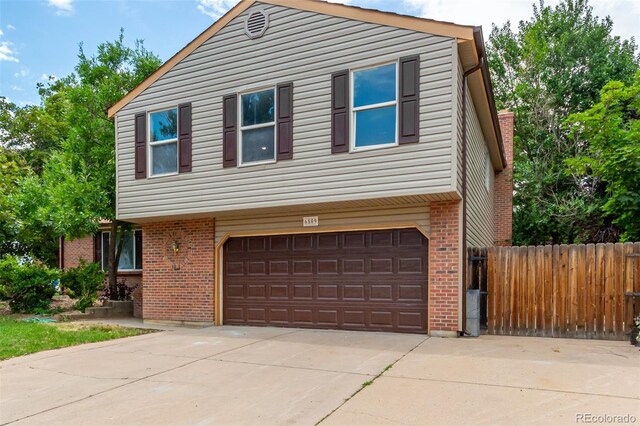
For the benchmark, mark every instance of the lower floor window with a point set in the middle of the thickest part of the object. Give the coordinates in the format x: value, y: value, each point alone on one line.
x: 131, y: 255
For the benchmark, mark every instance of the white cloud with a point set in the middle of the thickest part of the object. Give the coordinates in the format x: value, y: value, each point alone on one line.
x: 47, y: 77
x: 24, y: 72
x: 17, y: 88
x: 7, y: 53
x: 63, y: 7
x: 624, y: 13
x: 10, y: 27
x: 1, y: 33
x: 215, y: 8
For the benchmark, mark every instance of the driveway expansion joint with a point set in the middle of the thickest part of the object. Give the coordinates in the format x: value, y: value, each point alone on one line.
x: 384, y: 370
x: 292, y: 367
x: 462, y: 382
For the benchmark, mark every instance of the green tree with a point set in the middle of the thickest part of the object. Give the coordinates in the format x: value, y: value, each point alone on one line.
x: 76, y: 189
x: 609, y: 135
x: 553, y: 66
x: 34, y: 131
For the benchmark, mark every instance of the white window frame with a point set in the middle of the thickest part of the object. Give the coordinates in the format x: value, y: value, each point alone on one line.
x: 163, y: 142
x: 242, y: 128
x: 353, y: 110
x: 104, y: 249
x: 487, y: 171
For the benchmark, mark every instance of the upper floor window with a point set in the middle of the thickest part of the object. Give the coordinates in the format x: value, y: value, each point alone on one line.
x: 257, y: 127
x: 163, y: 141
x: 131, y: 254
x: 374, y: 107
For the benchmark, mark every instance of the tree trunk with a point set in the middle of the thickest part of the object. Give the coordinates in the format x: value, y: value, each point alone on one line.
x: 114, y: 252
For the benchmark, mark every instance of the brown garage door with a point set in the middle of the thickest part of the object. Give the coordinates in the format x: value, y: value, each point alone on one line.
x: 371, y: 280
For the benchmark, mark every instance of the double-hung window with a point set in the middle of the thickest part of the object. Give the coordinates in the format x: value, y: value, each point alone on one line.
x: 131, y: 255
x: 163, y: 142
x: 257, y: 127
x: 374, y: 108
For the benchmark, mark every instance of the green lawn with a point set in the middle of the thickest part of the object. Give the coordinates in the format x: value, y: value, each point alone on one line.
x: 21, y: 338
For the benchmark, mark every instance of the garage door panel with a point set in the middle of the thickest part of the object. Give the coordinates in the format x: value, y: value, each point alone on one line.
x: 328, y: 317
x: 411, y: 265
x: 381, y: 266
x: 382, y: 238
x: 328, y: 291
x: 353, y: 240
x: 353, y: 266
x: 375, y: 280
x: 278, y: 267
x: 302, y: 267
x: 328, y: 266
x: 279, y: 243
x: 234, y: 268
x: 279, y: 315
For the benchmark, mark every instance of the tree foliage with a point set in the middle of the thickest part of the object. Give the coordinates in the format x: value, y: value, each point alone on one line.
x: 76, y: 189
x: 553, y: 66
x: 608, y: 139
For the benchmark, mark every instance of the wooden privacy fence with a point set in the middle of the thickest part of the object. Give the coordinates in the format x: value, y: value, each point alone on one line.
x: 583, y: 291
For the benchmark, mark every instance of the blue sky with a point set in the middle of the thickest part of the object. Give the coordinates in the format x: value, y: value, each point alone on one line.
x: 39, y: 38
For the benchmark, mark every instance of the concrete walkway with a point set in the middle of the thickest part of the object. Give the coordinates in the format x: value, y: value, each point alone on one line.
x: 244, y: 375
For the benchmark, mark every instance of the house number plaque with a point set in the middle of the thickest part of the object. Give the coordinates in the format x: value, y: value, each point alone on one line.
x: 310, y: 221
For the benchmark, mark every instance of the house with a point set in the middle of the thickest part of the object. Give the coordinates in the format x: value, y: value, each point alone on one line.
x: 301, y: 163
x: 94, y: 248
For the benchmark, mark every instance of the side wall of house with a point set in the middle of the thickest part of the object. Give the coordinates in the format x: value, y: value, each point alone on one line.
x: 74, y: 250
x: 304, y: 48
x: 480, y: 209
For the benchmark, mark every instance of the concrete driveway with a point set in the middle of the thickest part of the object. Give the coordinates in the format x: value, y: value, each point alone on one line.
x: 243, y: 375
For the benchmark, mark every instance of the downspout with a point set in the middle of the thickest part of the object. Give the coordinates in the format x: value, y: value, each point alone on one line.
x: 464, y: 191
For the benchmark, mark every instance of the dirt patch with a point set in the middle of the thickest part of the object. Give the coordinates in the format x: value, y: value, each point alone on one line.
x: 62, y: 303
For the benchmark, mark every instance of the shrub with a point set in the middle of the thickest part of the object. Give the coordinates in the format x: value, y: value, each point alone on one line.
x: 120, y: 291
x: 27, y: 285
x: 83, y: 282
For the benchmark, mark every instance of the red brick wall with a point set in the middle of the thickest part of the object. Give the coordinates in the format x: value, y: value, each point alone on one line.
x: 444, y: 266
x: 184, y: 294
x: 74, y: 250
x: 503, y: 186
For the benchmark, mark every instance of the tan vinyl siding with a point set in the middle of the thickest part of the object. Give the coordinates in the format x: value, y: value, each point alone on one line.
x: 459, y: 121
x: 480, y: 231
x: 305, y: 48
x: 361, y: 218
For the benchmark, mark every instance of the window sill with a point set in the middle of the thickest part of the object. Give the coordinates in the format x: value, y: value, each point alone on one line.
x: 257, y: 163
x: 162, y: 175
x: 373, y: 147
x: 130, y: 272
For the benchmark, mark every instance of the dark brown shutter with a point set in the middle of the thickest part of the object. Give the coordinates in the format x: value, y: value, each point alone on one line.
x: 285, y: 121
x: 340, y: 112
x: 138, y: 253
x: 141, y: 145
x: 184, y: 137
x: 409, y: 129
x: 229, y: 131
x: 97, y: 247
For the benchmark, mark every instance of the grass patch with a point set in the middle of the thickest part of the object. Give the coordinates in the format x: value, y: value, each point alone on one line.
x: 21, y: 338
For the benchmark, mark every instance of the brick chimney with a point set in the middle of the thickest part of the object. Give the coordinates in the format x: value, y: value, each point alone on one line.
x: 503, y: 186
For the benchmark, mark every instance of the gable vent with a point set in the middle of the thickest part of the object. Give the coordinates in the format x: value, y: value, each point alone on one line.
x: 256, y: 24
